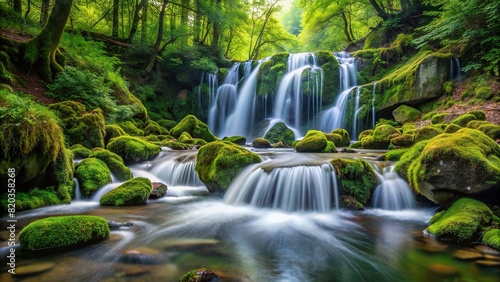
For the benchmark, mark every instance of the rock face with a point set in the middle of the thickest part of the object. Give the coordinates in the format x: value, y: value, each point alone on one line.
x: 63, y: 231
x: 130, y: 193
x: 218, y: 163
x: 451, y: 165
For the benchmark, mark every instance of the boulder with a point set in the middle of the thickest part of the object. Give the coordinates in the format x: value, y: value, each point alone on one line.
x: 492, y: 238
x: 132, y: 148
x: 239, y: 140
x: 280, y: 132
x: 92, y: 174
x: 405, y: 114
x: 315, y: 142
x: 261, y: 143
x: 114, y: 163
x: 200, y: 275
x: 356, y: 178
x: 131, y: 193
x: 159, y: 190
x: 195, y: 128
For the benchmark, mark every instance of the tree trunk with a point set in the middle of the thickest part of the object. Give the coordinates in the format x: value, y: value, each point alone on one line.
x: 380, y: 12
x: 44, y: 12
x: 346, y: 28
x: 159, y: 38
x: 135, y: 21
x: 197, y: 23
x: 18, y: 6
x: 42, y: 51
x: 216, y: 28
x: 28, y: 10
x: 184, y: 21
x: 144, y: 21
x: 114, y: 29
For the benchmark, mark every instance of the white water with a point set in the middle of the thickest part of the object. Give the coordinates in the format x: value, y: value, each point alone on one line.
x: 357, y: 109
x: 393, y: 193
x: 222, y: 101
x: 175, y: 173
x: 78, y: 192
x: 373, y: 104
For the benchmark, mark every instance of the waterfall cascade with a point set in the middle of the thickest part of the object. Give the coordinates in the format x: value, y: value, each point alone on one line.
x: 297, y: 188
x: 175, y: 173
x: 78, y: 192
x: 393, y: 193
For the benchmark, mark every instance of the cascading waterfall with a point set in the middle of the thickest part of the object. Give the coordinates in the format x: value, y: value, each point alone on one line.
x: 78, y: 192
x: 373, y: 104
x: 357, y: 109
x: 333, y: 117
x: 175, y: 173
x: 393, y: 193
x: 297, y: 188
x: 212, y: 82
x: 455, y: 72
x: 223, y: 102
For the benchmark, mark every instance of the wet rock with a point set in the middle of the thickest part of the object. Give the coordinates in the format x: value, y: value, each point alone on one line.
x: 200, y: 275
x: 141, y: 255
x: 349, y: 202
x: 136, y: 270
x: 432, y: 246
x: 114, y: 225
x: 443, y: 270
x: 159, y: 190
x: 34, y: 268
x: 487, y: 250
x: 467, y: 255
x: 488, y: 263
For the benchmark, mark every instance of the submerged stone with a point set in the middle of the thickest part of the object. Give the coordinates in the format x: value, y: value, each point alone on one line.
x: 34, y: 268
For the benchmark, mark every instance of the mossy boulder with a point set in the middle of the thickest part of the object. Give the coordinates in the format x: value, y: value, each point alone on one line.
x: 239, y: 140
x: 365, y: 133
x: 492, y: 130
x: 475, y: 124
x: 350, y: 203
x: 32, y: 142
x: 133, y: 149
x: 356, y: 178
x: 280, y: 132
x: 200, y: 275
x: 403, y: 140
x: 112, y: 131
x: 131, y: 193
x: 79, y: 151
x: 195, y: 128
x: 427, y: 132
x: 130, y: 128
x: 174, y: 145
x: 155, y: 129
x: 480, y: 115
x: 218, y: 163
x: 443, y: 118
x: 261, y: 143
x: 166, y: 123
x: 186, y: 138
x: 114, y: 162
x: 63, y: 232
x: 345, y: 139
x: 464, y: 119
x: 405, y: 114
x: 484, y: 93
x: 92, y: 174
x: 381, y: 137
x: 452, y: 128
x: 492, y: 238
x: 462, y: 222
x: 315, y: 142
x: 451, y: 165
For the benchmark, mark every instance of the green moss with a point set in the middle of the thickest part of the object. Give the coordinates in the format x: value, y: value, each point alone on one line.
x: 480, y: 115
x: 195, y: 128
x: 365, y: 133
x: 381, y: 137
x: 67, y: 109
x: 448, y: 88
x: 384, y: 121
x: 79, y: 151
x: 427, y: 132
x: 345, y: 138
x: 168, y: 124
x: 199, y: 275
x: 133, y: 148
x: 403, y: 140
x: 112, y: 131
x: 218, y: 163
x: 452, y: 128
x: 92, y: 174
x: 314, y: 142
x: 462, y: 221
x: 356, y: 178
x: 33, y: 199
x: 492, y: 238
x: 114, y: 163
x: 405, y: 114
x: 175, y: 145
x: 261, y: 143
x: 270, y: 74
x: 130, y: 128
x: 155, y: 130
x: 280, y: 133
x: 492, y: 130
x: 409, y: 128
x: 408, y: 156
x: 439, y: 118
x: 464, y: 119
x: 130, y: 193
x: 239, y: 140
x: 63, y: 231
x: 429, y: 115
x: 484, y: 93
x: 475, y: 124
x: 330, y: 66
x: 396, y: 154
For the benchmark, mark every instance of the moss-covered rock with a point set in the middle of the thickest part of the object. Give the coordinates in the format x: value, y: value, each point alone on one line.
x: 348, y: 202
x: 345, y: 138
x: 356, y: 178
x: 112, y: 131
x: 200, y: 275
x: 79, y: 151
x: 239, y: 140
x: 175, y: 145
x: 261, y: 143
x: 480, y: 115
x: 492, y: 130
x: 114, y: 162
x: 443, y: 118
x: 466, y: 162
x: 403, y: 140
x: 315, y: 142
x: 218, y: 163
x: 130, y: 128
x: 186, y: 138
x: 492, y: 238
x: 395, y: 154
x: 409, y: 128
x: 195, y: 128
x: 166, y: 123
x: 463, y: 221
x: 280, y: 132
x: 484, y: 93
x: 92, y: 174
x: 32, y: 143
x: 464, y: 119
x: 365, y: 133
x: 132, y: 148
x: 270, y: 73
x: 452, y: 128
x: 427, y: 132
x: 405, y: 114
x: 130, y: 193
x: 155, y: 129
x: 475, y: 124
x: 63, y: 232
x: 381, y: 137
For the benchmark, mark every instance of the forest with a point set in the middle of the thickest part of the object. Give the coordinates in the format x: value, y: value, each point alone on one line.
x: 250, y: 140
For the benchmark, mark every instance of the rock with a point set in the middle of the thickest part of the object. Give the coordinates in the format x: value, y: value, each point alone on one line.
x: 467, y: 255
x: 357, y: 178
x: 218, y: 163
x: 63, y: 231
x: 492, y: 238
x: 403, y: 140
x: 114, y: 162
x: 345, y: 139
x: 488, y: 263
x: 315, y: 142
x: 405, y: 114
x: 452, y: 165
x: 381, y: 137
x: 167, y: 123
x: 130, y: 128
x: 261, y: 143
x: 443, y: 269
x: 141, y: 255
x: 349, y: 202
x: 487, y: 250
x: 79, y: 151
x: 112, y: 131
x: 34, y: 268
x: 200, y: 275
x: 186, y: 138
x: 280, y: 133
x: 114, y: 225
x: 137, y: 270
x: 463, y: 221
x: 195, y: 128
x: 131, y: 193
x: 427, y: 132
x: 133, y: 149
x: 159, y: 190
x: 92, y: 174
x: 155, y: 129
x: 239, y: 140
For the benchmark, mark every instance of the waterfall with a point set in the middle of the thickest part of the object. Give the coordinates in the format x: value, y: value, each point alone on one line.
x: 223, y: 100
x: 78, y: 192
x: 333, y: 117
x: 373, y: 104
x: 211, y: 80
x: 297, y: 188
x: 357, y: 109
x: 455, y: 69
x: 393, y: 193
x: 175, y: 173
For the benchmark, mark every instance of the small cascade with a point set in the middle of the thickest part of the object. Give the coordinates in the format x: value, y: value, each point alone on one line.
x: 393, y: 193
x: 357, y: 109
x: 212, y: 82
x: 175, y: 173
x: 297, y: 188
x: 373, y: 104
x: 103, y: 190
x: 455, y: 72
x: 333, y: 117
x: 78, y: 192
x: 223, y: 100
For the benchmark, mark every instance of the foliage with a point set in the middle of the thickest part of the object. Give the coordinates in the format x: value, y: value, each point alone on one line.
x: 492, y: 238
x: 63, y: 231
x: 132, y: 192
x: 33, y: 199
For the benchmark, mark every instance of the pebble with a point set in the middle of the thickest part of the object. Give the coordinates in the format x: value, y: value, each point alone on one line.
x: 467, y: 255
x: 489, y: 263
x: 34, y: 268
x: 487, y: 250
